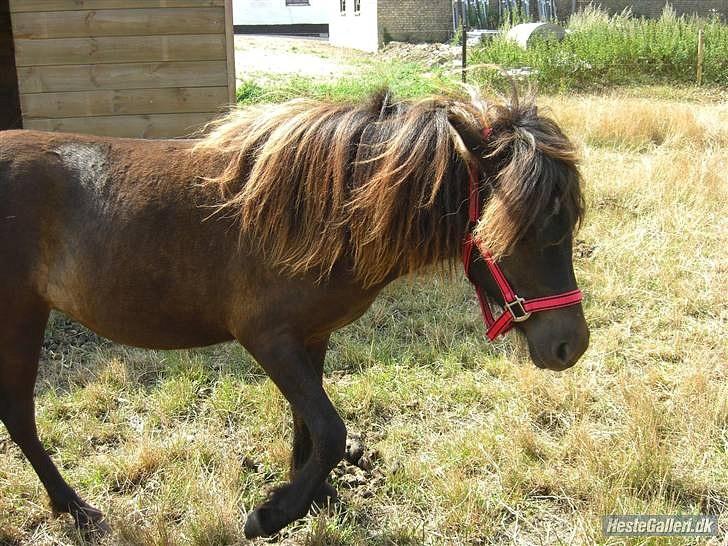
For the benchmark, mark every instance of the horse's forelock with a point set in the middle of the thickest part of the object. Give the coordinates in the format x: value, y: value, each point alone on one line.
x: 534, y: 162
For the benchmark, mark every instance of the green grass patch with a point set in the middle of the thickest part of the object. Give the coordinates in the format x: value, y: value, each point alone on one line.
x: 406, y: 80
x: 653, y: 57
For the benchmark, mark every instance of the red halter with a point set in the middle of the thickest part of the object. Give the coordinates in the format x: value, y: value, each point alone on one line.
x: 516, y: 309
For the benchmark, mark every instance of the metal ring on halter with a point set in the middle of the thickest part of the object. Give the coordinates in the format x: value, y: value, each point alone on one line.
x: 522, y: 313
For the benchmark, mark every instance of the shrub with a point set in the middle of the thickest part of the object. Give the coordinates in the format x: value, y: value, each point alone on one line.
x: 601, y: 50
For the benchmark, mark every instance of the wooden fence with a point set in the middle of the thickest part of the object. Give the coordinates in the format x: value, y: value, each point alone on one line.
x: 142, y: 68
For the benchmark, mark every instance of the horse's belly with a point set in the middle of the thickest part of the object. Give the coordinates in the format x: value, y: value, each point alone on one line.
x: 150, y: 331
x: 133, y: 318
x: 162, y: 338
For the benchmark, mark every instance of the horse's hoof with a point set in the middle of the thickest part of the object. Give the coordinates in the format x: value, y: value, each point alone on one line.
x: 264, y: 522
x: 89, y: 520
x: 253, y: 526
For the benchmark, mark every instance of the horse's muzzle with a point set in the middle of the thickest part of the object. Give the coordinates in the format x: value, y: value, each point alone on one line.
x: 562, y: 347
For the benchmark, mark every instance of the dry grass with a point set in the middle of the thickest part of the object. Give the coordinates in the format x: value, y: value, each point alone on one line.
x: 634, y: 124
x: 477, y: 445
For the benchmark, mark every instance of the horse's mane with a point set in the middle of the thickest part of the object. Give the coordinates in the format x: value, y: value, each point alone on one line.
x: 383, y: 184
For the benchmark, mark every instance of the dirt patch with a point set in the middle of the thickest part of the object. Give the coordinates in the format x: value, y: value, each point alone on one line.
x: 260, y: 57
x: 64, y: 339
x: 264, y: 58
x: 429, y: 55
x: 360, y: 472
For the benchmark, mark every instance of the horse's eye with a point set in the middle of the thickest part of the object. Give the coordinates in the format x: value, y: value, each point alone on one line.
x: 557, y: 206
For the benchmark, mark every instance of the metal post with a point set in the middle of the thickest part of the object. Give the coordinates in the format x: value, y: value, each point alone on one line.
x: 701, y: 53
x: 464, y: 37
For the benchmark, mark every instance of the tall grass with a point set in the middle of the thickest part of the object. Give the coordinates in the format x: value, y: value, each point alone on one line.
x: 602, y: 50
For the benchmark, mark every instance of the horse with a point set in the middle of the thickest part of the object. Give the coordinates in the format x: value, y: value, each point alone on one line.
x: 277, y: 226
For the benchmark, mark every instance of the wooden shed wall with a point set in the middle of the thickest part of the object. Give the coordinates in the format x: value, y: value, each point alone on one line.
x: 9, y: 101
x: 141, y: 68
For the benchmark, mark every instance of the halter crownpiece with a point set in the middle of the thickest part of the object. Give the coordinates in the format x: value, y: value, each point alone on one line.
x: 516, y: 308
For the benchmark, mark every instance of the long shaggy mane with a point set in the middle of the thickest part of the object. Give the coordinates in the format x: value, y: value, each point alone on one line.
x: 382, y: 186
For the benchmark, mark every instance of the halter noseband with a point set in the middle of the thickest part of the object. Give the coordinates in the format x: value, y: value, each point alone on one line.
x: 516, y: 308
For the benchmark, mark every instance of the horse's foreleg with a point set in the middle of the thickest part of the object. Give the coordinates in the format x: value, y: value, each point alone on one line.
x: 301, y: 436
x: 21, y: 335
x: 289, y: 366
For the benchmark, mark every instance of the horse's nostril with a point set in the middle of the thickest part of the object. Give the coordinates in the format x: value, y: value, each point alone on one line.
x: 562, y: 352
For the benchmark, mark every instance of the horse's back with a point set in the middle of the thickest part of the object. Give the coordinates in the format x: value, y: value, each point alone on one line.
x: 120, y: 235
x: 107, y: 231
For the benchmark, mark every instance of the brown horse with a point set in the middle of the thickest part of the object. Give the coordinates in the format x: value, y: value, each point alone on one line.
x: 279, y: 227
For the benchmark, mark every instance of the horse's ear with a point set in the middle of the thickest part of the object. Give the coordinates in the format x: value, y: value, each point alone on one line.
x: 470, y: 135
x: 380, y: 103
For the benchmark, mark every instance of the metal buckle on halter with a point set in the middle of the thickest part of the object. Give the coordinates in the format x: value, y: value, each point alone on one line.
x: 518, y: 303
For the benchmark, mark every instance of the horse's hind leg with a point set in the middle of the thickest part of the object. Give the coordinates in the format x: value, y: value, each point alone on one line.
x: 21, y: 335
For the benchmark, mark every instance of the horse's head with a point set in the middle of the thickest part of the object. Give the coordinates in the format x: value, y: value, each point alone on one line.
x: 538, y: 265
x: 528, y: 189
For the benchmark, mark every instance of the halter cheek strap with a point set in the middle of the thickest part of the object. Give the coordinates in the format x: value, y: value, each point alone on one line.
x: 516, y: 308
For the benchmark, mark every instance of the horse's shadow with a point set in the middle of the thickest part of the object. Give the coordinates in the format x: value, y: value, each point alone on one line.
x: 72, y: 356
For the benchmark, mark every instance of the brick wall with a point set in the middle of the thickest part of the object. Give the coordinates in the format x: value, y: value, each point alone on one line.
x: 649, y: 8
x: 414, y: 20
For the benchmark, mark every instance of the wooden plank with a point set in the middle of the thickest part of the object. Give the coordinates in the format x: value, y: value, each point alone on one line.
x: 230, y: 51
x: 131, y: 101
x: 18, y: 6
x: 42, y: 79
x: 130, y: 22
x: 120, y: 49
x: 146, y: 126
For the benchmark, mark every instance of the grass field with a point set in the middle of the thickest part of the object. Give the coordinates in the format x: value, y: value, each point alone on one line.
x: 465, y: 442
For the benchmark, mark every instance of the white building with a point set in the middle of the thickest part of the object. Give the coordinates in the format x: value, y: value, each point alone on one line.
x: 367, y: 24
x: 281, y: 16
x: 353, y: 23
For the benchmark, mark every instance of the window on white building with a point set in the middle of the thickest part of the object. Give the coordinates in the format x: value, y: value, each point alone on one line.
x: 342, y: 7
x: 297, y: 3
x: 357, y: 7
